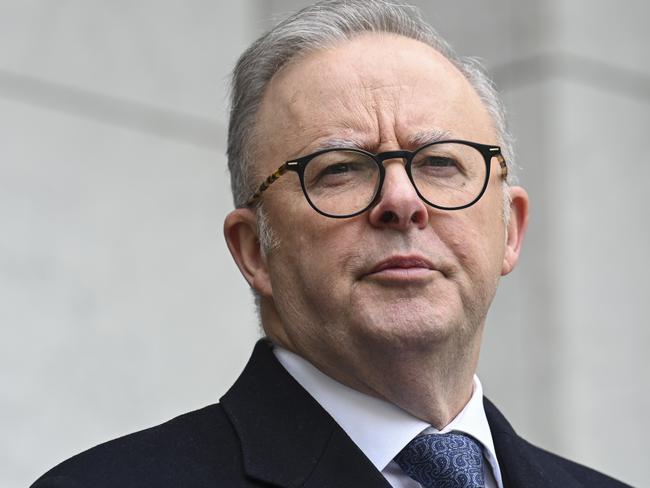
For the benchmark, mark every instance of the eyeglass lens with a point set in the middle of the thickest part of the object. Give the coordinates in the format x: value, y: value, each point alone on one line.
x: 343, y: 182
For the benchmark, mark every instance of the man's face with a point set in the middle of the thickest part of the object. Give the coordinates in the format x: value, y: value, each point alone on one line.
x: 403, y: 275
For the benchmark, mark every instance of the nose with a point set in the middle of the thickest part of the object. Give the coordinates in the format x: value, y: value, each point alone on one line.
x: 398, y: 205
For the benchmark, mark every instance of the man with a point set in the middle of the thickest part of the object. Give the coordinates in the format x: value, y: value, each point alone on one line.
x: 374, y: 251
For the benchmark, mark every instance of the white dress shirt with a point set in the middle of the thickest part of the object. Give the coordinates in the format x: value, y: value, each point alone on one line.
x: 380, y: 429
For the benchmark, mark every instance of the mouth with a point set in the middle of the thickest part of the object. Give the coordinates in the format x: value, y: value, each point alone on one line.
x: 402, y: 269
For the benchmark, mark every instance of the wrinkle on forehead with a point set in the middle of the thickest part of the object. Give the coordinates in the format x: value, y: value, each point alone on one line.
x: 380, y: 97
x: 413, y: 141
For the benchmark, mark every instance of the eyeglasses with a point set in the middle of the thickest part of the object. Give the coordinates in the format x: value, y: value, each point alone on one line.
x: 344, y: 182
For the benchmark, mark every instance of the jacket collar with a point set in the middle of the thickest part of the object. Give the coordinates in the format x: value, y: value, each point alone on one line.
x: 521, y: 463
x: 287, y: 438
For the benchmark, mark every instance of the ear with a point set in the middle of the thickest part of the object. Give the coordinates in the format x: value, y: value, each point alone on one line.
x: 516, y: 228
x: 240, y: 231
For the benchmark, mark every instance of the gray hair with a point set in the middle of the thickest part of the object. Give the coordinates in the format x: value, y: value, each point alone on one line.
x: 320, y: 26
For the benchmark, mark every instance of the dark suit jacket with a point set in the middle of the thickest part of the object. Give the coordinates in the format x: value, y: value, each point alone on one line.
x: 268, y: 431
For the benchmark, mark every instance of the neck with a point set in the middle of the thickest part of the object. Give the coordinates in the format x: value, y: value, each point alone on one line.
x: 433, y: 385
x: 432, y: 382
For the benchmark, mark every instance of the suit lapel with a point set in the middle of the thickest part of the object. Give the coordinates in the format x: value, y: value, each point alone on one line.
x: 287, y: 438
x: 522, y: 464
x: 344, y: 465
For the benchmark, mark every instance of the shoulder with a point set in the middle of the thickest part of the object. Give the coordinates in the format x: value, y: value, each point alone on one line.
x: 524, y: 464
x: 585, y: 475
x: 195, y: 449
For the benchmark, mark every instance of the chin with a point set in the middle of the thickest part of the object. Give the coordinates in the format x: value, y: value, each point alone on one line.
x: 409, y: 331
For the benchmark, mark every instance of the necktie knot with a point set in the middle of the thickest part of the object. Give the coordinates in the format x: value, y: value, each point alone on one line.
x: 451, y: 460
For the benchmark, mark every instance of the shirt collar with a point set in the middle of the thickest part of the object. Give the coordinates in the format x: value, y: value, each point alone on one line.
x: 379, y: 428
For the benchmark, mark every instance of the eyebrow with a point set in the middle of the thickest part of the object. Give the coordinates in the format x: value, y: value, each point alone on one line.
x: 418, y: 139
x: 429, y: 136
x: 336, y: 142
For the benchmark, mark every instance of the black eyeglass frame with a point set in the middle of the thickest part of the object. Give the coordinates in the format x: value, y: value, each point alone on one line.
x: 298, y: 165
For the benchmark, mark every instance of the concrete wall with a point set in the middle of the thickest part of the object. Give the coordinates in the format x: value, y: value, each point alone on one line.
x: 119, y: 304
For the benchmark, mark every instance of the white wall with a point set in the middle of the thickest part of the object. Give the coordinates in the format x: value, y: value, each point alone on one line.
x: 119, y: 304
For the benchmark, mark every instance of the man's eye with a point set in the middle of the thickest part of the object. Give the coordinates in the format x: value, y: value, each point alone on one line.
x: 439, y: 162
x: 438, y: 166
x: 338, y: 168
x: 339, y: 174
x: 348, y: 168
x: 343, y: 168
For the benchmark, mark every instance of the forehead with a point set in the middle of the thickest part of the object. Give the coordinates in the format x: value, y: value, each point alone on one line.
x: 378, y: 90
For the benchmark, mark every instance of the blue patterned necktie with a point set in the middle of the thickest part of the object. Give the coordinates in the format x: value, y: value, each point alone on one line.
x: 451, y: 460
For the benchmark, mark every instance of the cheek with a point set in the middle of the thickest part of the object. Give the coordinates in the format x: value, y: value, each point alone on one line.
x: 312, y: 259
x: 476, y: 240
x: 314, y: 292
x: 469, y: 251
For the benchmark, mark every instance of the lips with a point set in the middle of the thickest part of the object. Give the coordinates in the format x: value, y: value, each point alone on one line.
x: 402, y: 263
